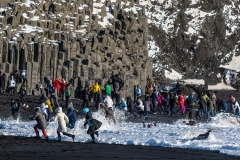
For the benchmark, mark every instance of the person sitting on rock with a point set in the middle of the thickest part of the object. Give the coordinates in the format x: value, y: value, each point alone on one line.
x: 62, y: 120
x: 93, y: 124
x: 15, y: 108
x: 71, y: 114
x: 41, y: 122
x: 44, y: 98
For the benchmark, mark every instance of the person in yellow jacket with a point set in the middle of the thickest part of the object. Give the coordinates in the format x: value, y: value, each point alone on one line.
x: 95, y: 89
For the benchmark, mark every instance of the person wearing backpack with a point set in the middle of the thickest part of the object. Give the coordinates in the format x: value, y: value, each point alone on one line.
x: 67, y: 94
x: 15, y: 108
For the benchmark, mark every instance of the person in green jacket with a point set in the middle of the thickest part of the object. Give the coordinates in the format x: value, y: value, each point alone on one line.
x: 108, y: 89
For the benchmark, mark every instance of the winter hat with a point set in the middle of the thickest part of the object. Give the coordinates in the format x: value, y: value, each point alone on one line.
x: 122, y: 99
x: 85, y: 111
x: 42, y: 105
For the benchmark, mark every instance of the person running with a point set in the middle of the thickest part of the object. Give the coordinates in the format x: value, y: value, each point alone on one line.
x: 71, y: 114
x: 93, y: 124
x: 23, y: 93
x: 62, y: 120
x: 15, y: 108
x: 41, y: 122
x: 45, y: 109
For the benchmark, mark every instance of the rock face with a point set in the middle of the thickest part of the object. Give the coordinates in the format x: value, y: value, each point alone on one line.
x: 195, y: 37
x: 81, y: 39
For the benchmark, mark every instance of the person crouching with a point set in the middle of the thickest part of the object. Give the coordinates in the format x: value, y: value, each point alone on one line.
x: 93, y: 124
x: 62, y: 120
x: 41, y: 122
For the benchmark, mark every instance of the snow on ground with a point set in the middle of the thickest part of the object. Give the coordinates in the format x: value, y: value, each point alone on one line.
x: 220, y: 86
x: 173, y: 75
x: 224, y: 137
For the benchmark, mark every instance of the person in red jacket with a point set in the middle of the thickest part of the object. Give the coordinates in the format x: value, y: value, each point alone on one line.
x: 57, y: 85
x: 63, y: 85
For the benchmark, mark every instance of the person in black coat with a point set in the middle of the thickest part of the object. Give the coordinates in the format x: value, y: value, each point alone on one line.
x: 15, y: 108
x: 85, y: 95
x: 131, y: 107
x: 23, y: 93
x: 41, y: 122
x: 93, y: 124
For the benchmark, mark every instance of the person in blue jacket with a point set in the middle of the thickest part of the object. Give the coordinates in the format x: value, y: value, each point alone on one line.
x: 93, y: 124
x: 71, y: 114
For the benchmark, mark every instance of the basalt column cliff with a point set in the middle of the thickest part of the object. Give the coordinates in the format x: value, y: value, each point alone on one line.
x: 81, y: 39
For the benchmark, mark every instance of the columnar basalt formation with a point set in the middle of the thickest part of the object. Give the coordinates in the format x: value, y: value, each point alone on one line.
x: 81, y: 39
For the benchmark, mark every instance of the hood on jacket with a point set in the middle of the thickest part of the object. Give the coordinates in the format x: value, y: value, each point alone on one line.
x: 70, y: 105
x: 85, y: 111
x: 36, y: 109
x: 58, y: 110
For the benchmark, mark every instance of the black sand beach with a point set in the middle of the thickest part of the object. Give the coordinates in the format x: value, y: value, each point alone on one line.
x: 22, y: 148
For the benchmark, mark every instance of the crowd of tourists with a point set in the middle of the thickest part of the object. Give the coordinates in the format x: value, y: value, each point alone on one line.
x: 143, y: 106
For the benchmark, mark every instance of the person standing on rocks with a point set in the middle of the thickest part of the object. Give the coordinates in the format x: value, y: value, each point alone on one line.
x: 23, y: 93
x: 93, y: 124
x: 154, y: 99
x: 62, y: 120
x: 95, y: 89
x: 214, y: 100
x: 107, y: 89
x: 67, y: 94
x: 2, y: 82
x: 85, y: 95
x: 11, y: 85
x: 191, y: 105
x: 41, y: 122
x: 54, y: 98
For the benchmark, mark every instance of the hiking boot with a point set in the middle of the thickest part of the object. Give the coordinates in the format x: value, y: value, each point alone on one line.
x: 47, y: 139
x: 144, y: 125
x: 96, y: 133
x: 37, y: 135
x: 59, y: 139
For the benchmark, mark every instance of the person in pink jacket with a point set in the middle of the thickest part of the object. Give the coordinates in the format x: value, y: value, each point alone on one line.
x: 160, y: 106
x: 181, y: 102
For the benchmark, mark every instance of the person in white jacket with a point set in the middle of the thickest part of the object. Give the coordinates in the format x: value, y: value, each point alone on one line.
x: 236, y: 108
x: 11, y: 85
x: 62, y: 120
x: 140, y: 106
